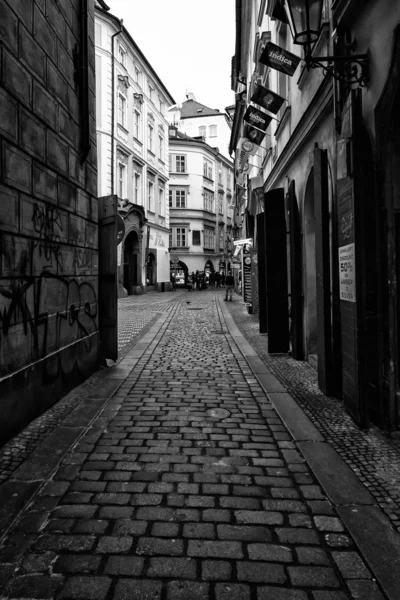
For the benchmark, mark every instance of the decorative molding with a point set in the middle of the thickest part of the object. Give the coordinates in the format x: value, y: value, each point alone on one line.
x: 138, y: 100
x: 150, y: 117
x: 122, y: 157
x: 161, y: 128
x: 123, y: 82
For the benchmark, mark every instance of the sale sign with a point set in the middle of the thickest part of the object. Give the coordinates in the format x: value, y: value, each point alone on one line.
x: 279, y: 59
x: 267, y: 99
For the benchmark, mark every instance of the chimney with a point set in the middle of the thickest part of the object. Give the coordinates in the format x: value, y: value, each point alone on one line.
x: 190, y: 96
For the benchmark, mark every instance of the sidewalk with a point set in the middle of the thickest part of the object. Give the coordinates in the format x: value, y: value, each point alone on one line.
x: 188, y: 472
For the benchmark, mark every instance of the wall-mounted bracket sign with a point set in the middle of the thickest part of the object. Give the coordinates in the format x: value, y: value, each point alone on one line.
x: 254, y: 135
x: 256, y: 118
x: 267, y: 99
x: 279, y: 59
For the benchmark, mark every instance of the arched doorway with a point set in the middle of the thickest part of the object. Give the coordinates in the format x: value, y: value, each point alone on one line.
x: 310, y: 282
x: 151, y: 270
x: 180, y: 271
x: 131, y: 262
x: 209, y: 267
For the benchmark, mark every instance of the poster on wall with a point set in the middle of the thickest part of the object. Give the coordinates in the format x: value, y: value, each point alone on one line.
x: 254, y: 280
x: 247, y: 291
x: 347, y: 274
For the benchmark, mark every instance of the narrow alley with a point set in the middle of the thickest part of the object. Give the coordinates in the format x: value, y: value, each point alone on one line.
x: 187, y: 471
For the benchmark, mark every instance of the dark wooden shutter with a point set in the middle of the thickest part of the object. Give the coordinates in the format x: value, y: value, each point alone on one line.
x: 322, y: 262
x: 277, y: 284
x: 296, y: 294
x: 108, y: 291
x: 262, y: 289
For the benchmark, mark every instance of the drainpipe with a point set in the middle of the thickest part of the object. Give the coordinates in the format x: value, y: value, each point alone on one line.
x: 113, y: 102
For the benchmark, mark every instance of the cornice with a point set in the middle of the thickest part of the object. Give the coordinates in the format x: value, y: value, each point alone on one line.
x: 310, y: 120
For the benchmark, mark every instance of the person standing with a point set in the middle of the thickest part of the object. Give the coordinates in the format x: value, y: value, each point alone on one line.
x: 229, y: 283
x: 223, y: 280
x: 173, y: 281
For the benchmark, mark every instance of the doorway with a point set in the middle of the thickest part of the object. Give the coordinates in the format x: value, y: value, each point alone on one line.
x: 310, y: 273
x: 151, y: 269
x: 131, y: 262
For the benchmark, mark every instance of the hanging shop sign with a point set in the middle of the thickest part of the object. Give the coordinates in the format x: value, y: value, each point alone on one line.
x: 279, y: 59
x: 254, y: 135
x: 243, y: 242
x: 247, y: 290
x: 254, y: 281
x: 267, y: 99
x: 256, y: 118
x: 347, y: 273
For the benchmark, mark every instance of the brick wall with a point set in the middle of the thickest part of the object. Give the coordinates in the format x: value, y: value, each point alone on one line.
x: 49, y: 336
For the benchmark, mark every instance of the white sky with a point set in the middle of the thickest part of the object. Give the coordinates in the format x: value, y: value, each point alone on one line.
x: 188, y: 43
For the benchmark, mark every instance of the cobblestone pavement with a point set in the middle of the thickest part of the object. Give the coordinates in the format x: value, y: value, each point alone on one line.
x: 373, y: 457
x: 136, y: 314
x: 187, y: 486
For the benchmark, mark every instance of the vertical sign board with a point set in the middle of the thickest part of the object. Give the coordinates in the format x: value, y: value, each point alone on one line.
x: 254, y: 281
x: 246, y: 276
x: 108, y: 290
x: 277, y: 277
x: 261, y: 259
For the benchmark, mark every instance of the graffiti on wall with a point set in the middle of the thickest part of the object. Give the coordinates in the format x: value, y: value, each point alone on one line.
x: 46, y: 222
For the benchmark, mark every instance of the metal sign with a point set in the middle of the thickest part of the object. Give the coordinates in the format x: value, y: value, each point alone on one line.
x: 256, y: 118
x: 347, y: 287
x: 279, y: 59
x: 243, y: 242
x: 254, y: 135
x: 267, y: 99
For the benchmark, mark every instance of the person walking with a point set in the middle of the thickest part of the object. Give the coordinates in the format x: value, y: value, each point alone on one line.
x: 217, y: 280
x: 173, y: 281
x: 193, y: 279
x: 223, y: 280
x: 229, y: 282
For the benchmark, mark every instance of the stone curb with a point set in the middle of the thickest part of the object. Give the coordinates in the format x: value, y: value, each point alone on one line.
x: 372, y: 531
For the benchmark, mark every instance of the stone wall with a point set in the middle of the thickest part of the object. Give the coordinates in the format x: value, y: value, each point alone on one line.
x: 49, y: 338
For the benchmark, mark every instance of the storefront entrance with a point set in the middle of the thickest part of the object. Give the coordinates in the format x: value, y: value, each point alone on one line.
x: 151, y: 269
x: 131, y: 261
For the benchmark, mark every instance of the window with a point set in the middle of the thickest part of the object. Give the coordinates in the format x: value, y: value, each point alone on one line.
x: 203, y: 131
x: 150, y: 196
x: 220, y: 176
x: 221, y: 204
x: 121, y: 180
x: 213, y: 131
x: 209, y: 239
x: 150, y: 137
x: 178, y: 236
x: 151, y: 92
x: 228, y: 179
x: 221, y: 239
x: 161, y: 147
x: 208, y: 201
x: 196, y: 238
x: 138, y: 76
x: 137, y: 186
x: 177, y: 198
x: 136, y: 125
x: 122, y: 55
x: 161, y: 201
x: 207, y: 169
x: 122, y: 110
x: 161, y: 105
x: 177, y: 163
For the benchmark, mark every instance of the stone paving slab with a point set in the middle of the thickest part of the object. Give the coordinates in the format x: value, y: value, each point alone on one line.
x: 187, y: 485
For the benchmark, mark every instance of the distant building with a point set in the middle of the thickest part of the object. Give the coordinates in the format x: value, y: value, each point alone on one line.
x: 132, y: 135
x: 197, y: 120
x: 201, y: 205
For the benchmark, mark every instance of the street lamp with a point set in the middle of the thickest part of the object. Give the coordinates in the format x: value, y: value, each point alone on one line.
x: 304, y: 17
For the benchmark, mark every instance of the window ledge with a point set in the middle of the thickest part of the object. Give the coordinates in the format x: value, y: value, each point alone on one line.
x: 151, y: 152
x: 208, y: 178
x: 137, y: 140
x: 208, y: 249
x: 123, y: 127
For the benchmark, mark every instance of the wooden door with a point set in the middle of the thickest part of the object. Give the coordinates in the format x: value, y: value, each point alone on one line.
x: 296, y: 263
x: 108, y: 290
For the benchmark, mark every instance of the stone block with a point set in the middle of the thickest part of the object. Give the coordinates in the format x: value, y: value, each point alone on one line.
x: 83, y: 261
x: 56, y: 19
x: 83, y: 204
x: 44, y: 183
x: 32, y: 134
x: 44, y: 105
x: 44, y: 34
x: 9, y: 205
x: 67, y: 127
x: 17, y: 168
x: 32, y: 55
x: 91, y: 186
x: 76, y: 170
x: 77, y: 230
x: 66, y: 194
x: 9, y: 116
x: 95, y: 263
x: 91, y: 235
x: 56, y: 83
x: 8, y: 27
x: 17, y: 79
x: 57, y: 152
x: 65, y: 64
x: 24, y: 10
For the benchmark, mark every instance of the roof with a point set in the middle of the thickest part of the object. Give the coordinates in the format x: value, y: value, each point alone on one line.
x: 192, y: 108
x: 182, y: 137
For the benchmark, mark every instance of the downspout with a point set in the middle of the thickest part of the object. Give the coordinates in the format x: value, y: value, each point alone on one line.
x: 113, y: 102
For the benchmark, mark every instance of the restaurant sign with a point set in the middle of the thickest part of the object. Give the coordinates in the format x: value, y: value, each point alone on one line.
x: 256, y: 118
x: 279, y: 59
x: 254, y: 135
x: 267, y: 99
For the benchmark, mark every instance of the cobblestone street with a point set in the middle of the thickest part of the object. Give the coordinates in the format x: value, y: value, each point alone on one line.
x: 187, y: 471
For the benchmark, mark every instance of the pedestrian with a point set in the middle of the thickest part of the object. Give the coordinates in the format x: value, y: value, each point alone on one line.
x: 173, y: 281
x: 212, y: 279
x: 229, y: 282
x: 217, y: 280
x: 193, y: 278
x: 223, y: 280
x: 188, y: 283
x: 198, y: 281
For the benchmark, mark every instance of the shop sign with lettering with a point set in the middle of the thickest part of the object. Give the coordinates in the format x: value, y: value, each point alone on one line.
x: 267, y: 99
x: 279, y: 59
x: 347, y: 274
x: 256, y: 118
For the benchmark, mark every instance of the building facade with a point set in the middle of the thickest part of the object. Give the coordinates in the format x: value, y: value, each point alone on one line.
x: 201, y: 206
x: 329, y: 180
x: 49, y: 300
x: 132, y: 136
x: 197, y: 120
